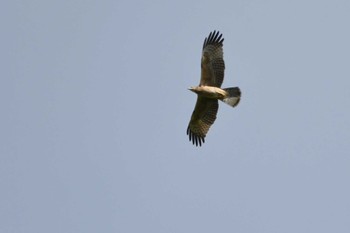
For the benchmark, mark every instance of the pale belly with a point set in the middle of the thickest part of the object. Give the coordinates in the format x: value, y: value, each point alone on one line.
x: 211, y: 92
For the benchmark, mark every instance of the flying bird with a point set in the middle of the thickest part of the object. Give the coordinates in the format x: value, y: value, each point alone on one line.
x: 209, y: 90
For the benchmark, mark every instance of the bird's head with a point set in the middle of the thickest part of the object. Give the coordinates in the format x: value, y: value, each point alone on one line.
x: 194, y: 89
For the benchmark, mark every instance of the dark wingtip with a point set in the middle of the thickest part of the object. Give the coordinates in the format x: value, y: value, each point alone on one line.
x: 215, y: 37
x: 196, y: 140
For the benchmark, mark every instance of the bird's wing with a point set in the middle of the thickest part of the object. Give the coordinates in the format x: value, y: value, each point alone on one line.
x: 203, y: 116
x: 212, y: 62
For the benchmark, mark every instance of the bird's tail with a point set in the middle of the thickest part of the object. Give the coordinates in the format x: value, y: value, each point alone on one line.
x: 234, y: 96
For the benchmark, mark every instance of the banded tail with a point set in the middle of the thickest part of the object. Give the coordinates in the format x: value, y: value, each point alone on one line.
x: 234, y: 96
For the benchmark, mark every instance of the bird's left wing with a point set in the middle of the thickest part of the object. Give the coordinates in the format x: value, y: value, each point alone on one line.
x: 212, y: 62
x: 203, y: 116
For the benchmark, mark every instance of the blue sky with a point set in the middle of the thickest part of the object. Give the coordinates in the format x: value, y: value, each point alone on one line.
x: 95, y: 108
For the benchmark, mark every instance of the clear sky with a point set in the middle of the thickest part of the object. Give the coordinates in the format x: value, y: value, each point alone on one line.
x: 95, y: 106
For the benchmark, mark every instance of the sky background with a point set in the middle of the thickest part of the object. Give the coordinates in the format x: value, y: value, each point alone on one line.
x: 95, y: 106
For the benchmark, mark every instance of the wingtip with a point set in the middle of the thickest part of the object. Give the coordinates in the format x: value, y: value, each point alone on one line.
x: 214, y: 37
x: 195, y: 139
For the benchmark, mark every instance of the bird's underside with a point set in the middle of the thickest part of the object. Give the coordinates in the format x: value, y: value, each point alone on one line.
x: 209, y: 90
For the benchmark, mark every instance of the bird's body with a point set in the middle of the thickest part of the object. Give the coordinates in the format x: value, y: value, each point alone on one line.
x: 209, y: 90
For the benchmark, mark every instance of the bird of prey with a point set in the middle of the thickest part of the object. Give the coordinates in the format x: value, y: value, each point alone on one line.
x: 209, y: 91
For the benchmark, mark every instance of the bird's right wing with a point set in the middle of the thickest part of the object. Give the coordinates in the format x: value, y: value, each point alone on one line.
x: 203, y: 116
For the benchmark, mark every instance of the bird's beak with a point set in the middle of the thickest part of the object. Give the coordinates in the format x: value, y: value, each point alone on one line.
x: 191, y: 88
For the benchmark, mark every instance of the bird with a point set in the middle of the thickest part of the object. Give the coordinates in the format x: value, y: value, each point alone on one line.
x: 209, y: 90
